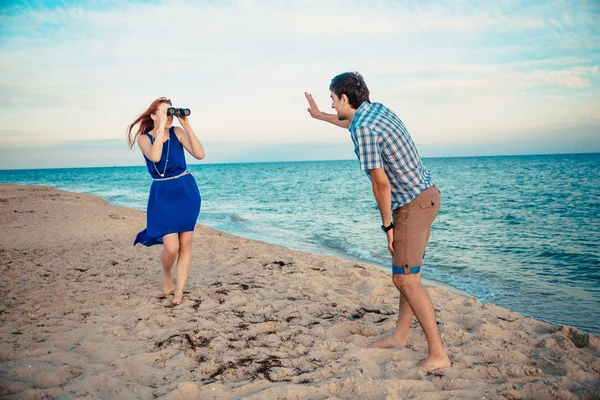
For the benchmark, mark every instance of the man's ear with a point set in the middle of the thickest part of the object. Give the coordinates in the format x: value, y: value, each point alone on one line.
x: 344, y: 98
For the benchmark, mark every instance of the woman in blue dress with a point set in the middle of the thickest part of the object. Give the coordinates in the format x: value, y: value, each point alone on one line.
x: 174, y: 201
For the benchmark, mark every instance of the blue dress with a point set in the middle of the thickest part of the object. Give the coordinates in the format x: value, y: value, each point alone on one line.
x: 173, y: 204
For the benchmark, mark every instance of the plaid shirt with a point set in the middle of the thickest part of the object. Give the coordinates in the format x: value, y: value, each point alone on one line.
x: 382, y: 141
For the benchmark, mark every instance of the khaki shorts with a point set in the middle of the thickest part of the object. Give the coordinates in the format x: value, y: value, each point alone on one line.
x: 412, y: 226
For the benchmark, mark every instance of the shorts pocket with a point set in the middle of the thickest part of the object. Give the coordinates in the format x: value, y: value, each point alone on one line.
x: 424, y: 205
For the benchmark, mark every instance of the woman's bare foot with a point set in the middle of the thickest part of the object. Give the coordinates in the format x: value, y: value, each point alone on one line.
x: 177, y: 299
x: 389, y: 342
x: 432, y: 363
x: 168, y: 286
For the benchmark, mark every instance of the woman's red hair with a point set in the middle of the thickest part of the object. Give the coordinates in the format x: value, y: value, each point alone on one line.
x: 145, y: 121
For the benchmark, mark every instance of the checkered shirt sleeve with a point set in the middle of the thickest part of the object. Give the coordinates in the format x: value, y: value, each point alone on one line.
x: 368, y: 153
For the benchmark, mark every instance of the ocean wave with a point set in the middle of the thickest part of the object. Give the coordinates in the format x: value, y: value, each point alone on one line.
x: 224, y: 222
x: 343, y: 246
x: 563, y: 255
x: 367, y: 256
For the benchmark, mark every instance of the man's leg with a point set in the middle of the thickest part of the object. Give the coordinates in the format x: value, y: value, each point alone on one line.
x: 399, y: 337
x: 420, y: 214
x: 412, y: 227
x: 411, y: 288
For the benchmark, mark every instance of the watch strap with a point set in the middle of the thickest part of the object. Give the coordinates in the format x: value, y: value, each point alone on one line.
x: 387, y: 228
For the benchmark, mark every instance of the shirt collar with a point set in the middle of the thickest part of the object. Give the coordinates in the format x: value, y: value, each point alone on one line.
x: 363, y: 108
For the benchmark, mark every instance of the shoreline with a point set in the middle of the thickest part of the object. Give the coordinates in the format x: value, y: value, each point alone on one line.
x: 464, y: 253
x: 333, y: 252
x: 257, y: 320
x: 327, y: 251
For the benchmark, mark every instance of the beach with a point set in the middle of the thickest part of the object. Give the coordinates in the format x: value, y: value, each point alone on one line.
x: 83, y: 316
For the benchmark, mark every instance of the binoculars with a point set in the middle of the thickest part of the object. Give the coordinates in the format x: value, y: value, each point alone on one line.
x: 178, y: 112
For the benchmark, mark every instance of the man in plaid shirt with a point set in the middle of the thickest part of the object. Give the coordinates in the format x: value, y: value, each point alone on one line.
x: 400, y: 183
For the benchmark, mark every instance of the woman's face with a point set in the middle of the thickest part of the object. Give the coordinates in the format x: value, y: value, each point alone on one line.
x: 162, y: 108
x: 169, y: 121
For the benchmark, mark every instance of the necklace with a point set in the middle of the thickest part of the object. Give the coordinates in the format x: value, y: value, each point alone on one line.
x: 167, y: 160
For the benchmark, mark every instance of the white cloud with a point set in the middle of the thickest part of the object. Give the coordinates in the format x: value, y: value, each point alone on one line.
x: 575, y: 77
x: 76, y: 73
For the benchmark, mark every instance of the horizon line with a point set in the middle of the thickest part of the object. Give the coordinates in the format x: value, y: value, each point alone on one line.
x: 301, y: 161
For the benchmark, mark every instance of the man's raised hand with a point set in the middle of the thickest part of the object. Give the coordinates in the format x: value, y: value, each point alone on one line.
x: 313, y: 109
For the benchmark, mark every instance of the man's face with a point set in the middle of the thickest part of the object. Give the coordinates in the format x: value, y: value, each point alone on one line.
x: 341, y: 106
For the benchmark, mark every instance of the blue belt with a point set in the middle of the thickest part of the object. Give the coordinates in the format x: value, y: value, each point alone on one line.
x: 404, y: 270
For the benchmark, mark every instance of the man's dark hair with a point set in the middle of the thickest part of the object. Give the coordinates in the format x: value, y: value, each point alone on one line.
x: 353, y: 86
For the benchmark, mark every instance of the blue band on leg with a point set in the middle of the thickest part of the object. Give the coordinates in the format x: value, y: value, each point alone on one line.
x: 404, y: 270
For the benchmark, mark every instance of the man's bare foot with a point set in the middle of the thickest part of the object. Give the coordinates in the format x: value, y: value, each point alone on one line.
x: 388, y: 342
x: 432, y: 363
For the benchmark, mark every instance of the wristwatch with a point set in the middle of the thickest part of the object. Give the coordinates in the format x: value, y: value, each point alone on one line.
x: 387, y: 228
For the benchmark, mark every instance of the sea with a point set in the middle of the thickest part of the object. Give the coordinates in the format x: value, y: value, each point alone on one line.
x: 522, y: 232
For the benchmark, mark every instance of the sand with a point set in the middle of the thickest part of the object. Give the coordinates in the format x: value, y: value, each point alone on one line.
x: 82, y: 315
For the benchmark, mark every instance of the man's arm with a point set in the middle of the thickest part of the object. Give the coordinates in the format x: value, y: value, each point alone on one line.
x: 383, y: 195
x: 314, y: 112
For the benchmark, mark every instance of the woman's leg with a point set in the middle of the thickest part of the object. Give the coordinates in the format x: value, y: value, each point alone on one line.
x: 184, y: 264
x: 167, y: 259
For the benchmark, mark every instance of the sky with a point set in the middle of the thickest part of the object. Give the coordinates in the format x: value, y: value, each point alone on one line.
x: 468, y: 78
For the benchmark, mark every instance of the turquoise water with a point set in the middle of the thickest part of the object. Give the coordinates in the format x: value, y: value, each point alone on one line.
x: 521, y: 232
